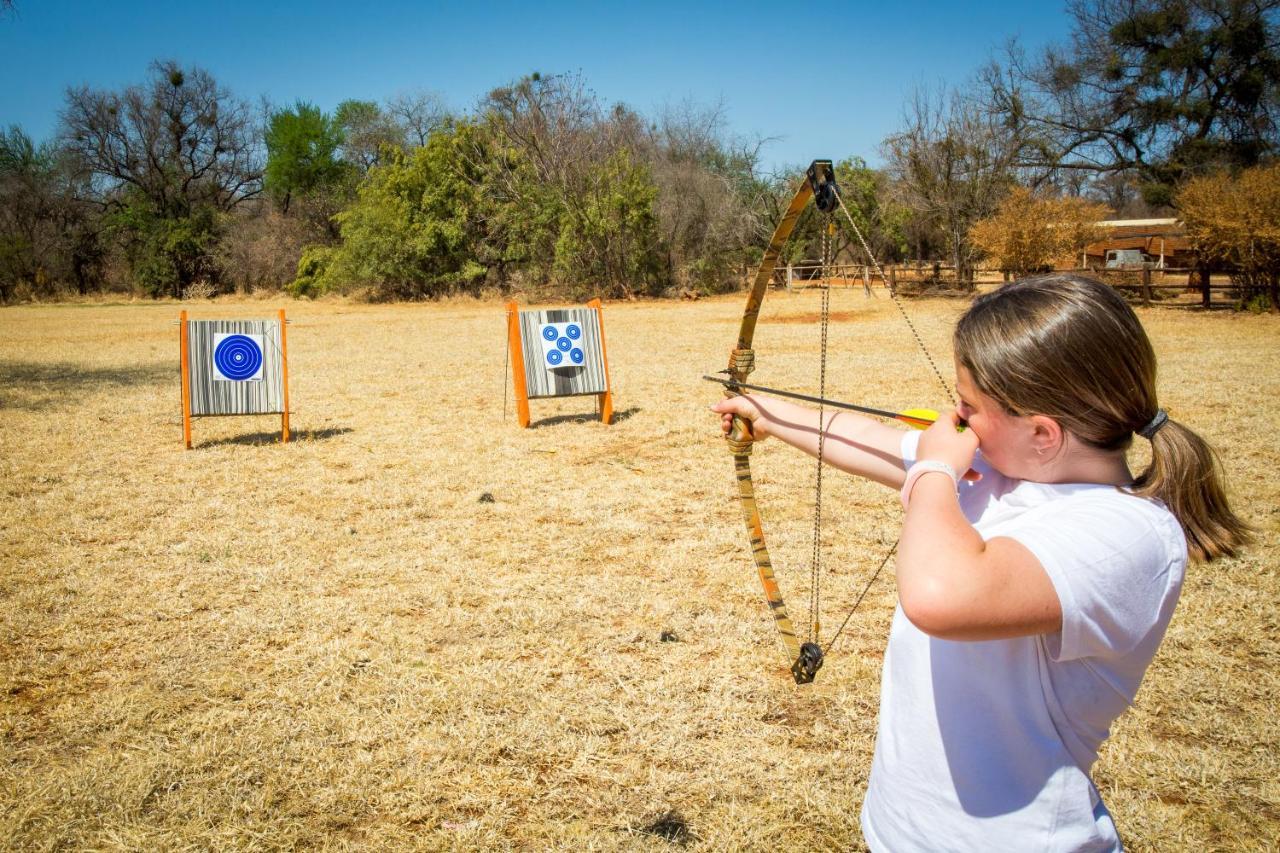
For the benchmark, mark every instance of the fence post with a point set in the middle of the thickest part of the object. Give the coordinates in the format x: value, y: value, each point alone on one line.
x: 1146, y: 285
x: 1203, y: 269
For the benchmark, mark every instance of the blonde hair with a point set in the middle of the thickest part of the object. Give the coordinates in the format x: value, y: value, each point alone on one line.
x: 1068, y: 347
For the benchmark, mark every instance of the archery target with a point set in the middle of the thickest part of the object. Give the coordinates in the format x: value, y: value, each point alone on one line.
x: 561, y: 345
x: 237, y: 357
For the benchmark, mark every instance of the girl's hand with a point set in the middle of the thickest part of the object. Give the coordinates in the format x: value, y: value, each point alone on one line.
x: 945, y: 442
x: 742, y: 407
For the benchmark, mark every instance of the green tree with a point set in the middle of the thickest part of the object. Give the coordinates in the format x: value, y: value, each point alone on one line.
x: 880, y: 218
x: 1165, y: 89
x: 166, y: 254
x: 414, y: 228
x: 572, y: 198
x: 866, y: 197
x: 302, y: 146
x: 608, y: 243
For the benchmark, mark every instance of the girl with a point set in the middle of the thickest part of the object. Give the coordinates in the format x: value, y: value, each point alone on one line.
x: 1036, y: 575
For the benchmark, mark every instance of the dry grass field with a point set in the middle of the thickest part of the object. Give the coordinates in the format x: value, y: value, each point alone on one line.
x: 420, y: 627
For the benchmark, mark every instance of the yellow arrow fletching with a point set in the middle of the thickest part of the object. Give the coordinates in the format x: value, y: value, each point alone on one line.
x: 919, y: 418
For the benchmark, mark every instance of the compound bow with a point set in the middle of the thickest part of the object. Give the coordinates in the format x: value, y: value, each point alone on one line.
x: 819, y: 184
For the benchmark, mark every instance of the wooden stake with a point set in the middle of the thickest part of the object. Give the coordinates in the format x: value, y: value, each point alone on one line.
x: 284, y: 368
x: 186, y: 378
x: 606, y: 399
x: 517, y: 364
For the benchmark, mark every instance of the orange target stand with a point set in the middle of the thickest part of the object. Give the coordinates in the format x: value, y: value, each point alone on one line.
x: 209, y: 404
x: 592, y: 379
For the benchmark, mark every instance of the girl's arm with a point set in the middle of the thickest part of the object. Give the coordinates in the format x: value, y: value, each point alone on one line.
x: 853, y: 443
x: 951, y: 583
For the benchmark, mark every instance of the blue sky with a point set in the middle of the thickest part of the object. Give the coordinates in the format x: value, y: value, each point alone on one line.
x: 820, y: 80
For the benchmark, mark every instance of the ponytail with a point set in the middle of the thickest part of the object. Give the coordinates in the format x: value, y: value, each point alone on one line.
x: 1186, y: 476
x: 1067, y: 346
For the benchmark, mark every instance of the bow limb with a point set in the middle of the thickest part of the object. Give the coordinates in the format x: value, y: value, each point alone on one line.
x: 805, y: 659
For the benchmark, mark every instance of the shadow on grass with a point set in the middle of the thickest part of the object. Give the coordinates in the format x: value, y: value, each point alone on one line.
x: 618, y: 417
x: 257, y: 439
x: 38, y: 386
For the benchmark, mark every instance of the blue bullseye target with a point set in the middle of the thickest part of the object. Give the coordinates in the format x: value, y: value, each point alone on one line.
x: 549, y: 332
x: 573, y: 331
x: 564, y: 344
x: 554, y: 357
x: 576, y: 356
x: 238, y: 358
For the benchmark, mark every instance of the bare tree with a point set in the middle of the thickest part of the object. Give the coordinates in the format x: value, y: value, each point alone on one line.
x: 952, y: 165
x: 418, y: 113
x: 368, y: 132
x: 703, y: 180
x: 553, y: 120
x: 180, y: 141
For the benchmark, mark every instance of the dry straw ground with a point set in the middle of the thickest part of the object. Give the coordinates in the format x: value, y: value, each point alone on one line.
x: 341, y: 643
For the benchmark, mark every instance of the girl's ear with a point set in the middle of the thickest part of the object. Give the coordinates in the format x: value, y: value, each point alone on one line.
x: 1046, y: 435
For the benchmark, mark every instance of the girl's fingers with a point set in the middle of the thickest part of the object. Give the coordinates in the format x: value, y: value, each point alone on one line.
x: 945, y: 442
x: 737, y: 407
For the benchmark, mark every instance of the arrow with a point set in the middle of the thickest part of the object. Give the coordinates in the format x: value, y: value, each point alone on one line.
x: 917, y: 418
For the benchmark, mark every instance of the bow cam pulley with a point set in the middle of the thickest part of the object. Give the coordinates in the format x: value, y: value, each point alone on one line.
x: 806, y: 665
x: 822, y: 179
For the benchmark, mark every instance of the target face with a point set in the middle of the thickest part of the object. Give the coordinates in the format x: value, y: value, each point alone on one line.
x: 237, y: 358
x: 562, y: 345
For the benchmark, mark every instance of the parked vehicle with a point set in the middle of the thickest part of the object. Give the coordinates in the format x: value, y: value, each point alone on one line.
x: 1127, y: 259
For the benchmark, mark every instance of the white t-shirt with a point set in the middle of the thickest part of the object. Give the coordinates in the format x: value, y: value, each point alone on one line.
x: 988, y: 745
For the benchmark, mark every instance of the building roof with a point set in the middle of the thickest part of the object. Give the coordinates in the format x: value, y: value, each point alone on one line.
x: 1127, y: 223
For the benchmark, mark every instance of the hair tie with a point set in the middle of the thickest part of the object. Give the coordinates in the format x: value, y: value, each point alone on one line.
x: 1149, y: 431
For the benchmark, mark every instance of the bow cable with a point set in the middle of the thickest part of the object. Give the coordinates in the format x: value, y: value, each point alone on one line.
x: 893, y: 295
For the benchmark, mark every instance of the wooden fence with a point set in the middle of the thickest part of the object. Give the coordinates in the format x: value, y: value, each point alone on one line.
x: 1146, y: 285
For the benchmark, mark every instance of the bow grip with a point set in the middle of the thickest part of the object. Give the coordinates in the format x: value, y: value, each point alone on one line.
x: 740, y: 436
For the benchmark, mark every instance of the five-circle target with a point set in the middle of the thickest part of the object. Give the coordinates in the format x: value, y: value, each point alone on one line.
x: 563, y: 345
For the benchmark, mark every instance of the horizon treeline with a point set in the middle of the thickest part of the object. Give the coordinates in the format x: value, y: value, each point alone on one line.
x: 177, y: 187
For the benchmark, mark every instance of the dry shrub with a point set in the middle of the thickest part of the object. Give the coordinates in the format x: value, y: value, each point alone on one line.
x: 1031, y: 233
x: 260, y: 250
x: 1235, y: 220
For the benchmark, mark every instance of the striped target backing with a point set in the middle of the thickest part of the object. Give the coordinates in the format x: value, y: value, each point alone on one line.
x: 570, y: 376
x: 236, y: 367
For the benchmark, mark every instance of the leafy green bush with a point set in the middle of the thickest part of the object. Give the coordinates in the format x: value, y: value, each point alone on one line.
x: 413, y: 229
x: 312, y: 266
